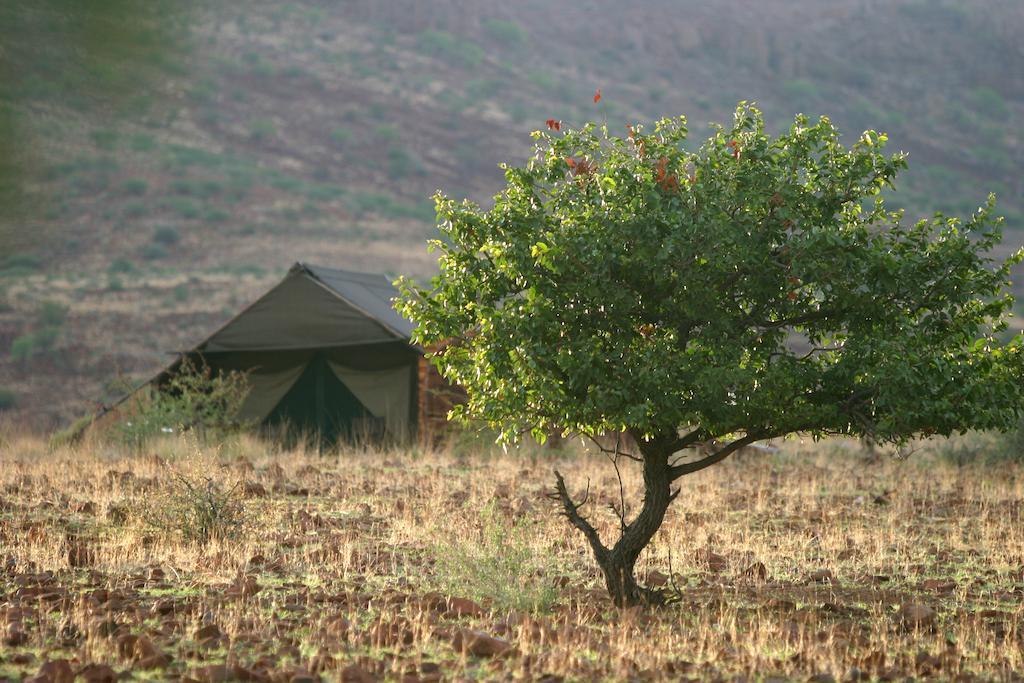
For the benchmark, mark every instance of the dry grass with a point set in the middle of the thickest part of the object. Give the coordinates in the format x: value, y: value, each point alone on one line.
x: 812, y: 562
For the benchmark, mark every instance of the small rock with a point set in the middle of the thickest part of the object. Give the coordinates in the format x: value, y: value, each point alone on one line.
x: 917, y: 616
x: 353, y: 673
x: 939, y: 586
x: 57, y: 671
x: 656, y: 579
x: 756, y: 572
x: 144, y: 648
x: 254, y: 489
x: 157, y: 661
x: 480, y: 644
x: 208, y: 631
x: 97, y: 673
x: 464, y: 607
x: 821, y: 576
x: 216, y: 673
x: 15, y: 635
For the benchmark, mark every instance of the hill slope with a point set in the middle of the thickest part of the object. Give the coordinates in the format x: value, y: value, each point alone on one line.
x: 318, y: 131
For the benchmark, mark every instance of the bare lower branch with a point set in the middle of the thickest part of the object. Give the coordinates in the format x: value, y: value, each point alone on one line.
x: 621, y: 512
x: 718, y: 456
x: 613, y: 451
x: 571, y: 511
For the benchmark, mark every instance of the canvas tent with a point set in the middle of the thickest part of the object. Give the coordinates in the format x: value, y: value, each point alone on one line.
x: 325, y: 355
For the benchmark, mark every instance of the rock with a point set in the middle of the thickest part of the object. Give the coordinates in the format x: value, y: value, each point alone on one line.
x: 917, y: 616
x: 215, y: 673
x: 144, y: 648
x: 713, y: 561
x: 56, y: 671
x: 353, y: 673
x: 821, y: 576
x: 254, y: 489
x: 756, y: 572
x: 97, y: 673
x: 522, y: 506
x: 208, y: 631
x: 126, y: 645
x: 157, y: 661
x: 463, y: 607
x: 939, y: 586
x: 14, y: 635
x: 480, y: 644
x: 656, y: 579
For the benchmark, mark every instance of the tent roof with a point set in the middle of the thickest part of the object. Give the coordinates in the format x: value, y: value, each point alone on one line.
x: 315, y: 307
x: 370, y: 292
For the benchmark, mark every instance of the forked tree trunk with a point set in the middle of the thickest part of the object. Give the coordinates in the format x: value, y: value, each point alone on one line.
x: 617, y: 563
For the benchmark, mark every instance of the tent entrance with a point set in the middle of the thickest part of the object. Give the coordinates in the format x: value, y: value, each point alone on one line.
x: 319, y: 407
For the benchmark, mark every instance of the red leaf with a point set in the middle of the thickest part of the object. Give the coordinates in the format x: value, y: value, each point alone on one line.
x: 791, y: 296
x: 597, y: 96
x: 571, y: 162
x: 554, y: 124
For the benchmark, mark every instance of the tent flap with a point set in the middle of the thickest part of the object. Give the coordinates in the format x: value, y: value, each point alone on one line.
x: 385, y: 393
x: 266, y: 389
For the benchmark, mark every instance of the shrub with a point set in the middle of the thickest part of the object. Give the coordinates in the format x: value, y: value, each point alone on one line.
x: 166, y: 235
x: 184, y: 207
x: 505, y: 32
x: 341, y: 135
x: 23, y: 347
x: 142, y: 142
x: 135, y: 186
x: 154, y: 252
x: 193, y: 397
x: 452, y: 48
x: 121, y: 265
x: 199, y: 509
x: 499, y: 567
x: 104, y: 139
x: 262, y: 129
x: 8, y: 398
x: 51, y: 314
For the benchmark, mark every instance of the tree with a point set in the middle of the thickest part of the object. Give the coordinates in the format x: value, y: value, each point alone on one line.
x: 754, y: 288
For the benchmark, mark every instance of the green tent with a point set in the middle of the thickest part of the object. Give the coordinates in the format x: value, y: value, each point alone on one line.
x: 326, y: 356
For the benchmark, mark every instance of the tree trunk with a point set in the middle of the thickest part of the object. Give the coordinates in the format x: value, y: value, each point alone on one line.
x: 619, y: 562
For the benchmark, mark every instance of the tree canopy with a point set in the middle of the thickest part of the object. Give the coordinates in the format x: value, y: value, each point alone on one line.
x: 757, y: 284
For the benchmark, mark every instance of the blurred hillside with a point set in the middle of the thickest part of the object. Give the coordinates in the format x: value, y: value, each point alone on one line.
x: 316, y: 130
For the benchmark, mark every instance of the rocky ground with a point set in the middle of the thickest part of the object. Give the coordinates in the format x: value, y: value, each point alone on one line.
x: 235, y: 562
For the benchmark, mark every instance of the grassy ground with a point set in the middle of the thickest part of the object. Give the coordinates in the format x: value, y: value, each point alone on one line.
x: 454, y: 565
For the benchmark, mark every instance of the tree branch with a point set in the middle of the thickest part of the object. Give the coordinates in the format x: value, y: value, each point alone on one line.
x: 571, y: 511
x: 677, y: 471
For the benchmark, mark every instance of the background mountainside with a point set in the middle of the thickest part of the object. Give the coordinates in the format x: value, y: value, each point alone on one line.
x: 267, y: 133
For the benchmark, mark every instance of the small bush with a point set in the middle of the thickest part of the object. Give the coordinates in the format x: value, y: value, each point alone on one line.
x: 192, y: 398
x: 451, y: 48
x: 120, y: 266
x: 136, y: 187
x: 154, y: 252
x: 104, y: 139
x: 166, y: 235
x: 262, y: 129
x: 341, y: 135
x: 505, y: 32
x: 499, y: 567
x: 199, y: 509
x: 8, y: 399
